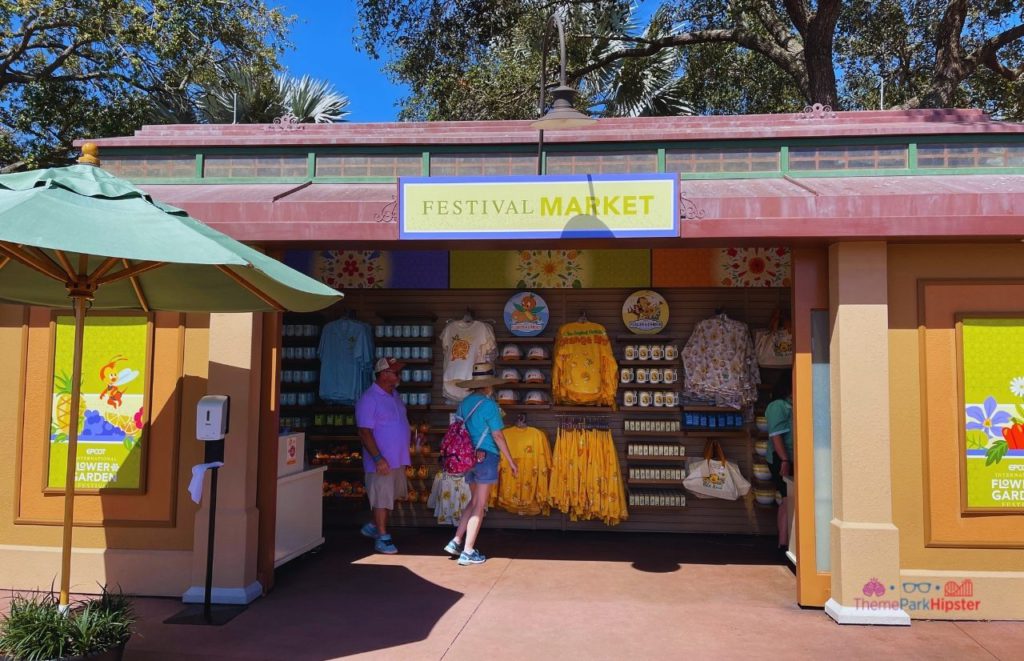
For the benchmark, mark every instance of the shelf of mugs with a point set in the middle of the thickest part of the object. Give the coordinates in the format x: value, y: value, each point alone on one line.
x: 656, y: 500
x: 658, y: 427
x: 300, y: 353
x: 383, y: 333
x: 407, y: 354
x: 656, y: 473
x: 642, y: 376
x: 655, y: 451
x: 651, y: 353
x: 309, y: 331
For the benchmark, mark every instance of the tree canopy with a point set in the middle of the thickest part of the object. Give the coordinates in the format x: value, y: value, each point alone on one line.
x: 71, y: 68
x: 477, y: 59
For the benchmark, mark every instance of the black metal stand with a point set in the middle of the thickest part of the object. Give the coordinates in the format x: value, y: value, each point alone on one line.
x: 210, y: 614
x: 208, y: 593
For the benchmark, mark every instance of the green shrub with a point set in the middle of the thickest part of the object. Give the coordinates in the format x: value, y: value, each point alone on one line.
x: 36, y: 630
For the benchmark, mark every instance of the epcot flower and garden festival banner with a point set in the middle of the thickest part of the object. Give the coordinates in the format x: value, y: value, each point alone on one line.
x: 992, y: 379
x: 112, y: 418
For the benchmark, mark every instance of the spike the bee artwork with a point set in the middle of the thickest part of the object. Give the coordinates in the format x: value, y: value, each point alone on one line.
x: 112, y: 409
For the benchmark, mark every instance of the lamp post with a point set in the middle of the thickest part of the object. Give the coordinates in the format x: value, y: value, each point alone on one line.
x: 562, y: 114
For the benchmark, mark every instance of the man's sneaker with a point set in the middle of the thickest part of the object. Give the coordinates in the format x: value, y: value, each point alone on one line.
x: 369, y: 530
x: 385, y: 545
x: 453, y: 548
x: 472, y: 558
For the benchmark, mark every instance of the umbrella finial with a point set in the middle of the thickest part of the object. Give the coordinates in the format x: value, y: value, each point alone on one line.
x: 90, y: 154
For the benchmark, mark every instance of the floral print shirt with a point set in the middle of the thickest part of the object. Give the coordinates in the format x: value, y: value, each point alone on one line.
x: 720, y: 363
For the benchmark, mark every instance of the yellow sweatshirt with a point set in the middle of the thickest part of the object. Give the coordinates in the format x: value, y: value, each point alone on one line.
x: 584, y: 369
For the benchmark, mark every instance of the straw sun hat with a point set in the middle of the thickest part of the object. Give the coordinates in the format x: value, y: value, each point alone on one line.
x: 483, y: 376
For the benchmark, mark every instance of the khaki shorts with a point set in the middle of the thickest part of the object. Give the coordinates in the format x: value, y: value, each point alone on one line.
x: 383, y: 490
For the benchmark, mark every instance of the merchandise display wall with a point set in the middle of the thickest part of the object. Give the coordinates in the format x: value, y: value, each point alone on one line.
x: 331, y: 436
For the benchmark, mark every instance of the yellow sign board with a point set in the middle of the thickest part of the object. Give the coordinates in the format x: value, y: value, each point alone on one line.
x: 549, y: 206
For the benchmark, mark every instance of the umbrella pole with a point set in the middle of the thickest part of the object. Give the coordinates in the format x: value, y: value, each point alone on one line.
x: 80, y: 303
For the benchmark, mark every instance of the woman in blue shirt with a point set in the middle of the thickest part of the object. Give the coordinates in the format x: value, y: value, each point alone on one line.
x: 483, y: 422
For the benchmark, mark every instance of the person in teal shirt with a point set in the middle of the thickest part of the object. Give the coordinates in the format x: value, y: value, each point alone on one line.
x: 780, y: 447
x: 484, y: 423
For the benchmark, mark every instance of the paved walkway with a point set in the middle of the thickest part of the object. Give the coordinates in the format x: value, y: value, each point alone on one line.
x: 549, y: 595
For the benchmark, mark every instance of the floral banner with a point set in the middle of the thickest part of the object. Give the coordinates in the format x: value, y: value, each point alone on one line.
x: 993, y: 383
x: 374, y: 269
x: 550, y: 269
x: 721, y: 267
x: 111, y: 408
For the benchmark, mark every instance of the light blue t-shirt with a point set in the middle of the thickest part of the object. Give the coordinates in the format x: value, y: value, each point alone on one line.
x: 486, y: 418
x: 780, y: 423
x: 346, y: 361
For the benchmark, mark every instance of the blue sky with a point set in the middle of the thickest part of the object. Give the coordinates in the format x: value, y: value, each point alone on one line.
x: 322, y: 35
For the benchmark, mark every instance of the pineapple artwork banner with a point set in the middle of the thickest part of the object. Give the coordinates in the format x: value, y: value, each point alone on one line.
x: 993, y: 415
x: 112, y: 418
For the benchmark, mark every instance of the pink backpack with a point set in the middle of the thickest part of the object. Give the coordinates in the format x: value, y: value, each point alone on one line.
x: 458, y: 454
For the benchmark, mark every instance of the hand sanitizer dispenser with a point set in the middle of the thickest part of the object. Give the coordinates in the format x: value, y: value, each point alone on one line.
x: 212, y: 416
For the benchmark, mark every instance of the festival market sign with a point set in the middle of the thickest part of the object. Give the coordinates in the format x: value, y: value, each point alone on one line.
x: 992, y: 429
x: 539, y: 207
x: 113, y: 417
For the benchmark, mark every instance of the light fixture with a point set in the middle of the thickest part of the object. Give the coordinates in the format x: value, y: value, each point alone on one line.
x: 562, y: 114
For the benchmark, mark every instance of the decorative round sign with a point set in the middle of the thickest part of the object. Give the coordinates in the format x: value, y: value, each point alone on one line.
x: 526, y: 314
x: 645, y: 312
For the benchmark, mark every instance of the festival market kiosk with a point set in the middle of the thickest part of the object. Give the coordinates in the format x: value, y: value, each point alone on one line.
x: 890, y: 240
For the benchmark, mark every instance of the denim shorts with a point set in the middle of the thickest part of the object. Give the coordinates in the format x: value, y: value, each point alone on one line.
x: 484, y: 472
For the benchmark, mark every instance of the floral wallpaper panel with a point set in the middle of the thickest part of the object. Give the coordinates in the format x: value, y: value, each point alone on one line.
x: 374, y: 269
x: 721, y: 267
x: 550, y: 269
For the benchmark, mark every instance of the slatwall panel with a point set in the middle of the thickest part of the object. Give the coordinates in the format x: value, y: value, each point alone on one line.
x: 604, y: 306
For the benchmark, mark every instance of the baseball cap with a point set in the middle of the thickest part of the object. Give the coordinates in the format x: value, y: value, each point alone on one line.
x: 537, y: 397
x: 511, y: 375
x: 507, y: 396
x: 511, y: 352
x: 534, y: 375
x: 387, y: 364
x: 537, y: 353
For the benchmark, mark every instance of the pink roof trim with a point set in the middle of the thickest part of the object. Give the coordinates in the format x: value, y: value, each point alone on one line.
x: 633, y: 129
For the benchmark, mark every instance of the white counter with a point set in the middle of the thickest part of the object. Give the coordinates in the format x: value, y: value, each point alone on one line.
x: 300, y: 514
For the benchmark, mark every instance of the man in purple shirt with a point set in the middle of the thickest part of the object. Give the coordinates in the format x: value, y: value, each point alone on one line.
x: 384, y: 433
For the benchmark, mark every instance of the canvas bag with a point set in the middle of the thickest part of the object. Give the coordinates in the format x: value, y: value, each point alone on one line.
x: 458, y: 452
x: 714, y: 476
x: 774, y: 345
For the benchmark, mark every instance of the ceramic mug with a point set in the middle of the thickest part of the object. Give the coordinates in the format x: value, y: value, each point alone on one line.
x: 378, y: 331
x: 426, y: 352
x: 389, y: 331
x: 641, y: 375
x: 657, y: 352
x: 406, y: 353
x: 629, y: 398
x: 626, y: 375
x: 426, y: 330
x: 630, y: 352
x: 654, y: 375
x: 659, y: 398
x: 414, y: 353
x: 643, y: 352
x: 645, y: 399
x: 414, y: 331
x: 671, y: 352
x: 406, y: 331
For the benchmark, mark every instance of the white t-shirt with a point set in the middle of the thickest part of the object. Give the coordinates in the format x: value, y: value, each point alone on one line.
x: 465, y: 343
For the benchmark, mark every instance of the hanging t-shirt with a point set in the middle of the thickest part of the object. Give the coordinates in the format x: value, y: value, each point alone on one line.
x: 346, y: 361
x: 464, y: 343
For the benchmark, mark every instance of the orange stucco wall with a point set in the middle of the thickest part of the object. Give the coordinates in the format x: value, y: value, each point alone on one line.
x: 928, y: 285
x: 117, y: 537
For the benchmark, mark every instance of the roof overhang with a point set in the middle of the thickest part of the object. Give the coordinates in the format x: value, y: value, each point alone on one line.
x: 953, y: 206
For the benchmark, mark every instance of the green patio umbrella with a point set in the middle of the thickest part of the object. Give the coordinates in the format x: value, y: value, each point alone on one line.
x: 80, y: 233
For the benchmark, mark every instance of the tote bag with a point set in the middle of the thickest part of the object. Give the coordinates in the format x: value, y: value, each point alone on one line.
x: 714, y: 476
